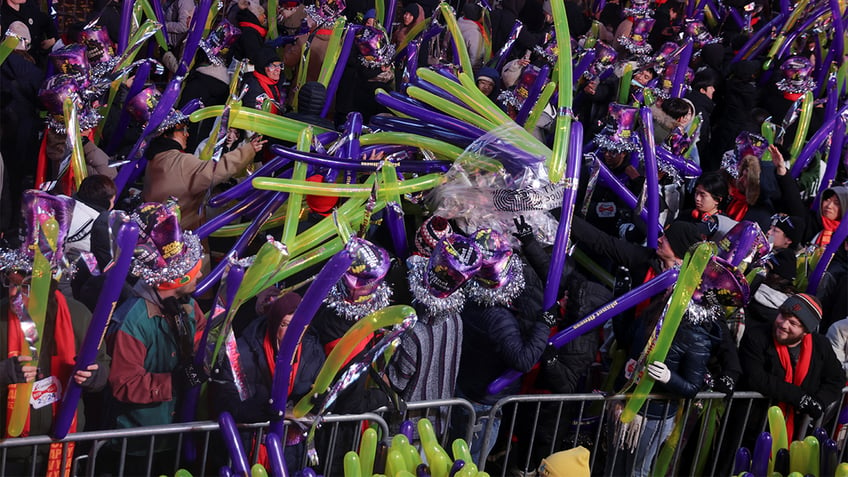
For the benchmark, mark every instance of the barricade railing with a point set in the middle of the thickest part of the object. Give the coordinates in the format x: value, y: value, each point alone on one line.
x: 162, y: 447
x: 531, y: 427
x: 438, y: 411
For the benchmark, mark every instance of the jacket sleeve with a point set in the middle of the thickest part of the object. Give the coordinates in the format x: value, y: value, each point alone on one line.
x: 572, y: 363
x: 754, y: 353
x: 98, y: 161
x: 200, y: 175
x: 521, y: 351
x: 728, y: 354
x: 620, y: 251
x: 129, y: 380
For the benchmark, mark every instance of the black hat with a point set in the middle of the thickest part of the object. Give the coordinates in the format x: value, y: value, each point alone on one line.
x: 265, y: 57
x: 804, y: 307
x: 680, y: 236
x: 791, y: 225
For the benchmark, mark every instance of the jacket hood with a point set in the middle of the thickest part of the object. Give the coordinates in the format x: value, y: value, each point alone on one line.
x: 310, y: 99
x: 841, y: 195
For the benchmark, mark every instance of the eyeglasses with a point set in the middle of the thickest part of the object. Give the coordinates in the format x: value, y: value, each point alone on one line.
x: 23, y: 284
x: 275, y: 66
x: 782, y: 219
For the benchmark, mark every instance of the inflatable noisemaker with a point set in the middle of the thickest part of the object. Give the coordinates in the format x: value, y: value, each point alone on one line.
x: 618, y: 133
x: 375, y: 49
x: 219, y: 41
x: 797, y: 75
x: 100, y: 50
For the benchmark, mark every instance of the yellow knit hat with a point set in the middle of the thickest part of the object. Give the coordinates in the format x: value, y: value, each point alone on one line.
x: 568, y: 463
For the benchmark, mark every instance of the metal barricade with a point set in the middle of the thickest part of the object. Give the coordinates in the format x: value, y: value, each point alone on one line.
x: 438, y: 411
x: 531, y: 427
x: 102, y: 452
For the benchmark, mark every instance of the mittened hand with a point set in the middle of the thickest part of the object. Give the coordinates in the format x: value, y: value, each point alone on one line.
x: 14, y: 370
x: 659, y: 371
x: 549, y: 316
x: 725, y: 384
x: 809, y: 405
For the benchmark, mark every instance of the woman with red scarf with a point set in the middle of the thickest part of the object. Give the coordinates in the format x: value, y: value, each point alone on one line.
x: 264, y: 84
x: 833, y: 204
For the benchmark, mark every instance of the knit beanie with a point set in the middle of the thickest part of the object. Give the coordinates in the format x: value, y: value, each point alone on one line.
x: 490, y: 73
x: 792, y: 226
x: 429, y: 233
x: 265, y: 57
x: 252, y: 5
x: 680, y: 236
x: 804, y: 307
x: 285, y: 305
x: 568, y: 463
x: 412, y: 9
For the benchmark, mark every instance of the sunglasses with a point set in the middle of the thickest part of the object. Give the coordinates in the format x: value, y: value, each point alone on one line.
x: 275, y: 66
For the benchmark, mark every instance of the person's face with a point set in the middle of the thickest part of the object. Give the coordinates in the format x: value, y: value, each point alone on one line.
x: 686, y: 119
x: 407, y: 18
x: 485, y: 86
x: 664, y: 250
x: 614, y: 159
x: 273, y: 70
x: 284, y: 325
x: 788, y: 330
x: 18, y: 284
x: 643, y: 77
x: 371, y: 22
x: 704, y: 201
x: 232, y: 135
x: 191, y: 286
x: 778, y: 238
x: 830, y: 208
x: 709, y: 91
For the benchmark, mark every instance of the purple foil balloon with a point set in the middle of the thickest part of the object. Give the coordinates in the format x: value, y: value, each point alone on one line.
x: 572, y: 179
x: 651, y: 177
x: 126, y: 237
x: 233, y: 442
x: 275, y: 455
x: 597, y: 318
x: 312, y: 299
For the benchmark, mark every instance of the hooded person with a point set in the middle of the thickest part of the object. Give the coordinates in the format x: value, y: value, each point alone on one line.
x: 412, y: 14
x: 57, y: 342
x: 488, y: 82
x: 174, y: 173
x: 819, y: 224
x: 310, y: 103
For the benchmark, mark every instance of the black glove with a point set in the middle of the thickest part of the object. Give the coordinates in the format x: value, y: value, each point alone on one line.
x: 187, y: 376
x: 13, y: 371
x: 523, y: 231
x: 549, y: 357
x: 549, y: 317
x: 725, y: 385
x: 809, y: 405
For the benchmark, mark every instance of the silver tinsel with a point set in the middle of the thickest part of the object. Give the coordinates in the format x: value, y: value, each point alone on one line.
x: 797, y: 87
x: 633, y: 47
x: 701, y: 313
x: 730, y: 163
x: 354, y: 311
x: 501, y: 296
x: 453, y: 303
x: 176, y: 268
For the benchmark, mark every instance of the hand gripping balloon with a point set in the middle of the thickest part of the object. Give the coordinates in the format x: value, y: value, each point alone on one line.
x: 693, y: 268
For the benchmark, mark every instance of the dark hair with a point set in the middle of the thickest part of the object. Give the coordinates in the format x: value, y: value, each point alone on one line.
x: 705, y: 78
x: 715, y: 184
x: 676, y: 107
x: 97, y: 190
x: 472, y: 11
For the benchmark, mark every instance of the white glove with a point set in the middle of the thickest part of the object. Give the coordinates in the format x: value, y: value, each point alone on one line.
x: 659, y: 371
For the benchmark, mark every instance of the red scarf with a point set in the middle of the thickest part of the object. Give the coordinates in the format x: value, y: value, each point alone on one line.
x: 829, y: 226
x: 644, y: 304
x: 794, y: 376
x: 62, y: 364
x: 738, y: 204
x: 271, y: 89
x: 262, y: 31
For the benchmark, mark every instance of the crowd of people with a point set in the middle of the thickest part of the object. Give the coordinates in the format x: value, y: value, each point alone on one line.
x: 767, y: 323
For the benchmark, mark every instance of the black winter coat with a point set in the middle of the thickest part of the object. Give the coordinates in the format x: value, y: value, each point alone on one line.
x: 763, y: 372
x: 494, y: 340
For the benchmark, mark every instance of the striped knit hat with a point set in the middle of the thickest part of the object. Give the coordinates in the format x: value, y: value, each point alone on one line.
x: 804, y: 307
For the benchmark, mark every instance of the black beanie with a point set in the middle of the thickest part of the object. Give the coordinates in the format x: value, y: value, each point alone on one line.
x: 792, y: 226
x: 412, y: 9
x: 680, y: 236
x: 265, y: 57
